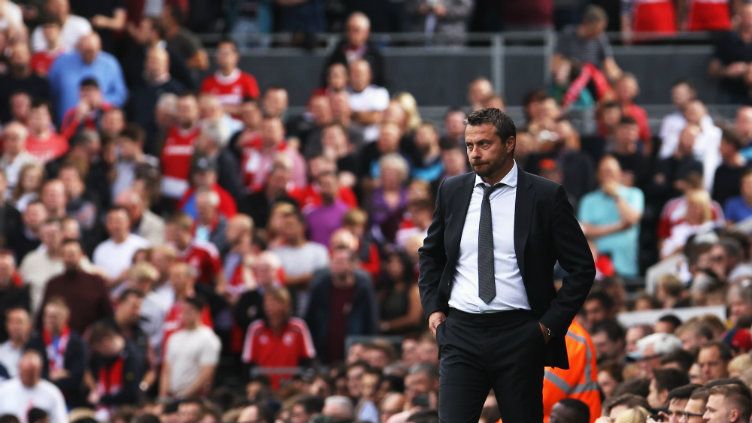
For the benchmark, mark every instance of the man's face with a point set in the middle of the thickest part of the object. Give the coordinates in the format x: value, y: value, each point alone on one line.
x: 18, y: 324
x: 34, y: 215
x: 656, y: 398
x: 130, y: 309
x: 357, y: 31
x: 716, y: 410
x: 604, y: 347
x: 651, y: 361
x: 118, y: 224
x: 227, y: 57
x: 739, y: 308
x: 275, y: 102
x: 676, y: 409
x: 416, y: 384
x: 187, y: 111
x: 298, y: 414
x: 711, y: 364
x: 486, y: 151
x: 341, y: 262
x: 693, y: 411
x: 454, y: 124
x: 51, y: 235
x: 71, y: 255
x: 609, y: 171
x: 54, y: 318
x: 594, y: 311
x: 274, y: 308
x: 681, y: 94
x: 7, y: 267
x: 360, y: 75
x: 13, y: 139
x: 561, y: 414
x: 272, y: 132
x: 89, y: 47
x: 190, y: 413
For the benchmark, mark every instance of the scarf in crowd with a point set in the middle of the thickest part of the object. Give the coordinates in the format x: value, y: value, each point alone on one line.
x: 110, y: 377
x: 56, y: 346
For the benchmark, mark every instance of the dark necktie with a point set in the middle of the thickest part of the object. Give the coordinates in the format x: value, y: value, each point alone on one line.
x: 486, y: 273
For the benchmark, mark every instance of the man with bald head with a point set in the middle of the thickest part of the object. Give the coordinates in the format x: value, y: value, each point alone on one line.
x: 29, y: 390
x: 357, y: 46
x: 367, y: 100
x: 88, y: 61
x: 144, y: 222
x: 157, y: 80
x: 14, y: 156
x: 610, y: 216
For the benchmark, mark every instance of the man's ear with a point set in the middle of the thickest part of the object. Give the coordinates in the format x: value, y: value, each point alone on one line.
x: 511, y: 143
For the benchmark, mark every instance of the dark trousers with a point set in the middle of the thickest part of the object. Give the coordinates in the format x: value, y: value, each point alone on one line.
x: 500, y: 351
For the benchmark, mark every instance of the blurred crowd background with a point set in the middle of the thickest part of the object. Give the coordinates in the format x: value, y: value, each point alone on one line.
x: 186, y: 239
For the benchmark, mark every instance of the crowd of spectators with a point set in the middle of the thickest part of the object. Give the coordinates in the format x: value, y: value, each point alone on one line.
x: 177, y: 246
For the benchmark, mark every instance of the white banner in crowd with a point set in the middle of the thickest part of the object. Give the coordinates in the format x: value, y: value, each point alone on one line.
x: 649, y: 317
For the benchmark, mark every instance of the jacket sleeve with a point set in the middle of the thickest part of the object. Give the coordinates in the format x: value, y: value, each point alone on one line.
x: 432, y: 260
x: 572, y: 251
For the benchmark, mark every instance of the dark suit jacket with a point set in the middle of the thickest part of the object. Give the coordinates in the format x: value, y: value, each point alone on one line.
x: 545, y: 230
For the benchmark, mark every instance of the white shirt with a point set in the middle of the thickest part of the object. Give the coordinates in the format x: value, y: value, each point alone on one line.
x: 372, y: 99
x: 9, y: 357
x: 37, y: 268
x: 74, y: 28
x: 115, y: 258
x: 187, y: 352
x: 17, y: 399
x: 510, y: 290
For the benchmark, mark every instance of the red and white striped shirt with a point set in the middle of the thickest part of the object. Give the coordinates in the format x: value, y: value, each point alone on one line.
x: 231, y: 89
x: 177, y: 154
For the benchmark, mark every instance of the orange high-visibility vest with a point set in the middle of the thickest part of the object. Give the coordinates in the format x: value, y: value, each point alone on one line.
x: 580, y: 381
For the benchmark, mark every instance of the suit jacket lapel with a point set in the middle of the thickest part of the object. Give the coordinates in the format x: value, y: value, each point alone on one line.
x: 523, y: 211
x: 460, y: 202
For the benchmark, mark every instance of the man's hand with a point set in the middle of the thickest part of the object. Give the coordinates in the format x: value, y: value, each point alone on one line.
x: 434, y: 320
x: 736, y: 69
x: 610, y: 188
x: 545, y: 331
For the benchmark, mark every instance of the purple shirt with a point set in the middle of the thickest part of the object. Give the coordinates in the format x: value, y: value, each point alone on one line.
x: 323, y: 220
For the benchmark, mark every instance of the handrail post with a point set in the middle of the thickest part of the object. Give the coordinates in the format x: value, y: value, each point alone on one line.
x: 497, y: 63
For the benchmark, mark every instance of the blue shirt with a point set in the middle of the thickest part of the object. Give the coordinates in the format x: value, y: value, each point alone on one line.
x: 736, y: 209
x: 597, y: 208
x: 69, y: 69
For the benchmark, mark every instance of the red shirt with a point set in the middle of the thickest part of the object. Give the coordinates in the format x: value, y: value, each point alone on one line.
x: 266, y: 348
x: 47, y: 149
x: 177, y: 154
x: 641, y: 117
x: 654, y: 16
x: 227, y: 206
x: 41, y: 61
x: 709, y: 15
x: 204, y: 257
x: 231, y: 89
x: 310, y: 196
x: 70, y: 124
x: 675, y: 212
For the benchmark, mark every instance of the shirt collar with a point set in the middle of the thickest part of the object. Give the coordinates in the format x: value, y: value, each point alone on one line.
x: 509, y: 179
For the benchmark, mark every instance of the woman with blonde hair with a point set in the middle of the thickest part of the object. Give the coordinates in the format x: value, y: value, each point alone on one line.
x: 410, y: 106
x: 699, y: 220
x: 29, y: 185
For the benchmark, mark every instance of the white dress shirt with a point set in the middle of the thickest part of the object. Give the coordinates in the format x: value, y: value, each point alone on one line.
x: 510, y: 290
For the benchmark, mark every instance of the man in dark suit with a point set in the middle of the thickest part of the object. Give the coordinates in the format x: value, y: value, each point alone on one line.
x: 486, y: 278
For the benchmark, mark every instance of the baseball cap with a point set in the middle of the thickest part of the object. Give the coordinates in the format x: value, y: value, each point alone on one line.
x: 662, y: 343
